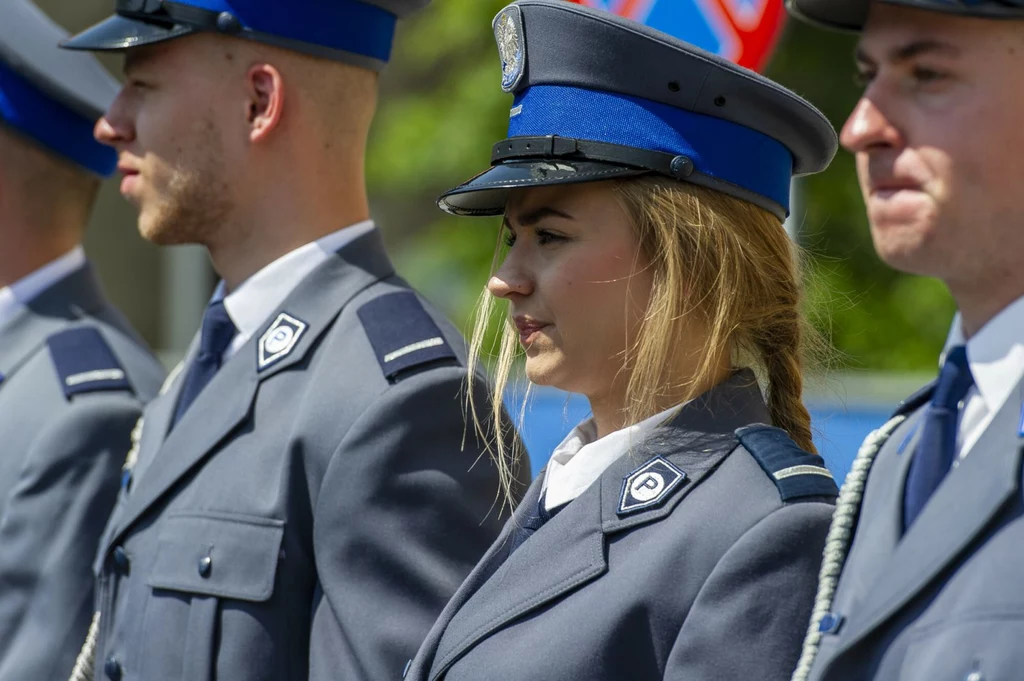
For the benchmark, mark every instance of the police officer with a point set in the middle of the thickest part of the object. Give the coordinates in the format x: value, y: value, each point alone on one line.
x: 929, y: 586
x: 673, y: 535
x: 305, y: 496
x: 73, y: 374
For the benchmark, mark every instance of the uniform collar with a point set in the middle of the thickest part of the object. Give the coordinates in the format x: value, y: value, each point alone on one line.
x: 252, y: 303
x: 28, y: 288
x: 581, y: 458
x: 995, y: 353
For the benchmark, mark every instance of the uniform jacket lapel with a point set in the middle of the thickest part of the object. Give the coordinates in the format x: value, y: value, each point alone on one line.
x: 227, y: 400
x: 569, y: 551
x: 882, y: 530
x: 562, y: 556
x: 71, y: 298
x: 989, y: 476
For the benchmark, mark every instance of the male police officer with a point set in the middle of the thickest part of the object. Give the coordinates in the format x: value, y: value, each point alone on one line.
x: 304, y: 498
x: 930, y: 588
x: 73, y: 374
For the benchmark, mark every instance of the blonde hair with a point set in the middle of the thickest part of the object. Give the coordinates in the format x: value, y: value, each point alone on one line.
x: 718, y: 264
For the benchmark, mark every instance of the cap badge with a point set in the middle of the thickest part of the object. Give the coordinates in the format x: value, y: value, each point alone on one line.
x: 649, y: 485
x: 280, y: 339
x: 508, y: 31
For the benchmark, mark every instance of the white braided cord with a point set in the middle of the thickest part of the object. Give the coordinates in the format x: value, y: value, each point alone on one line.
x: 85, y: 664
x: 840, y: 536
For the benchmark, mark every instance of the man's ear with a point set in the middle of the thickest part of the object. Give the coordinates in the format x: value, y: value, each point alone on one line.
x: 266, y: 100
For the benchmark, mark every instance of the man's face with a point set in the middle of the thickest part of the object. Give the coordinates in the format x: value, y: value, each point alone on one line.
x: 939, y: 141
x: 168, y: 125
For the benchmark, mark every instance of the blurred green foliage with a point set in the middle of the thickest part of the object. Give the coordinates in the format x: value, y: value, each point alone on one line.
x: 442, y: 109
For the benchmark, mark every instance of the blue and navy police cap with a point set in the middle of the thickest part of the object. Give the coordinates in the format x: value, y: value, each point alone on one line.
x: 851, y: 15
x: 353, y: 31
x: 48, y: 96
x: 599, y: 97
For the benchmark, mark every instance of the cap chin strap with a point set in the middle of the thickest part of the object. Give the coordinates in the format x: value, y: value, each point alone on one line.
x: 555, y: 147
x: 676, y: 166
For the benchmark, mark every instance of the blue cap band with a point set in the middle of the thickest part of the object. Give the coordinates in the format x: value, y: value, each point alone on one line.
x: 55, y: 126
x: 347, y: 25
x: 718, y: 148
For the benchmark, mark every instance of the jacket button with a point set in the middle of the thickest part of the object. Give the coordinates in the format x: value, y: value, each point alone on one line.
x: 205, y: 566
x: 112, y: 668
x: 121, y: 561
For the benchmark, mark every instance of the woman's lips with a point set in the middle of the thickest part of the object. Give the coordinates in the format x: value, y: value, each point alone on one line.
x: 528, y: 329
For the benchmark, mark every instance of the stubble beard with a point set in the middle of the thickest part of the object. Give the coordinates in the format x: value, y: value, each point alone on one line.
x: 198, y: 202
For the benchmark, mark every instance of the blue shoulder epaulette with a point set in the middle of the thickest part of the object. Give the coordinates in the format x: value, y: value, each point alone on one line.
x: 85, y: 363
x: 402, y: 334
x: 795, y: 472
x: 915, y: 401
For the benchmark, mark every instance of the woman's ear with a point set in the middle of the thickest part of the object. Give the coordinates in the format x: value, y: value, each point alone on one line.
x: 266, y: 100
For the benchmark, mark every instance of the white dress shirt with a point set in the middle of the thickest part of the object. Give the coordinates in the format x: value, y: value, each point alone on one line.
x: 23, y: 291
x: 996, y: 357
x: 250, y: 305
x: 581, y: 458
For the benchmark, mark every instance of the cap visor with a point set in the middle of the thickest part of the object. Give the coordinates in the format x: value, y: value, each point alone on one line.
x: 120, y: 33
x: 488, y: 192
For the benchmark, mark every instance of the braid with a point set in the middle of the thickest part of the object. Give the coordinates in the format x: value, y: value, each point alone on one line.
x: 785, y: 387
x: 780, y: 342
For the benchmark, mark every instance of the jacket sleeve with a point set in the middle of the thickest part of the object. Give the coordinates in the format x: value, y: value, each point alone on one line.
x: 750, y: 617
x: 408, y: 505
x: 52, y: 523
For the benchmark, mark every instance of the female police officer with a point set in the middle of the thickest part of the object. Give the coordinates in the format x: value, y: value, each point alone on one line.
x: 672, y: 535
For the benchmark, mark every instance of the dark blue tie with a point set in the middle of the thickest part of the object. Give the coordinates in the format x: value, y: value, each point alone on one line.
x: 216, y: 336
x: 531, y: 524
x: 936, y: 449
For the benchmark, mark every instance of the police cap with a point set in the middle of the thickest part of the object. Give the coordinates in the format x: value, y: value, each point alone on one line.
x: 50, y: 96
x: 851, y: 15
x: 599, y: 97
x: 353, y: 31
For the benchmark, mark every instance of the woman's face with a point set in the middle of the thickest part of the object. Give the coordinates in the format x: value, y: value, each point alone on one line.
x: 577, y: 285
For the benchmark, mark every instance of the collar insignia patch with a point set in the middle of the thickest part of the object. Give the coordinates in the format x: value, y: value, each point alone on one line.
x: 279, y: 340
x: 649, y: 485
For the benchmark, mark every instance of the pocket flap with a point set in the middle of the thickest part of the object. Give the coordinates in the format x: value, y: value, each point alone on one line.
x: 223, y: 555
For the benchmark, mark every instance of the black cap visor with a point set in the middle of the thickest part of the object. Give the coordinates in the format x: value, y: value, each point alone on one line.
x: 851, y: 15
x: 487, y: 193
x: 121, y: 33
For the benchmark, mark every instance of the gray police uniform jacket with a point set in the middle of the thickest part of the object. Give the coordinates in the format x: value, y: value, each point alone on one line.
x: 73, y: 380
x: 712, y: 579
x: 946, y: 601
x: 315, y: 506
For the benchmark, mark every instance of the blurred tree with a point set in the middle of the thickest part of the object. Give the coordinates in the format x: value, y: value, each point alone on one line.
x: 442, y: 110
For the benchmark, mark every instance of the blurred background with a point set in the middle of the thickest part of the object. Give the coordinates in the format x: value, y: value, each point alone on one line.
x: 441, y: 110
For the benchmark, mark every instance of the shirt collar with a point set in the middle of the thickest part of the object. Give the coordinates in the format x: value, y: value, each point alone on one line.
x: 581, y: 458
x: 251, y: 304
x: 28, y: 288
x: 995, y: 353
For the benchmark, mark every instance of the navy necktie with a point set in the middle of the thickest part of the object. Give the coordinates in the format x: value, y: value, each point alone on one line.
x: 216, y: 335
x: 531, y: 524
x: 936, y: 449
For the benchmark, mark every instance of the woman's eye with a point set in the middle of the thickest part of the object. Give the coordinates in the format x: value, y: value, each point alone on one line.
x: 544, y: 237
x: 509, y: 238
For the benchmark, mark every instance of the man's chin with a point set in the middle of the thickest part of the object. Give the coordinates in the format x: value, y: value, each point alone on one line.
x: 159, y: 232
x: 903, y: 249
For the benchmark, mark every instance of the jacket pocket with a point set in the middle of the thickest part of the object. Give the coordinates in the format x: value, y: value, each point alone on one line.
x: 209, y: 568
x: 221, y: 555
x: 979, y: 647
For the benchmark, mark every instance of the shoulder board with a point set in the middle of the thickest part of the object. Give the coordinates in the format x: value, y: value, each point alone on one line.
x: 402, y: 333
x: 85, y: 363
x: 795, y: 472
x: 915, y: 401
